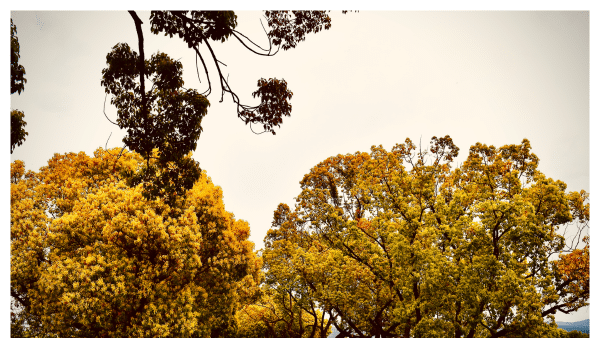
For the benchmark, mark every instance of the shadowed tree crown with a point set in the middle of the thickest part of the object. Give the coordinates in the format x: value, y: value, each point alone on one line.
x: 17, y: 85
x: 163, y: 122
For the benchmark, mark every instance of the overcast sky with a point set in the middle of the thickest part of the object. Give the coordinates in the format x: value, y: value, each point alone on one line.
x: 373, y: 78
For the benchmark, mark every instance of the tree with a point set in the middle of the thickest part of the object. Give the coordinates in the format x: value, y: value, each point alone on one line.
x: 168, y: 132
x: 281, y: 313
x: 293, y: 299
x: 168, y: 117
x: 17, y: 84
x: 399, y: 244
x: 91, y: 257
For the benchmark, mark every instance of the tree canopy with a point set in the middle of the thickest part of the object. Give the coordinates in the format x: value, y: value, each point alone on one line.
x: 91, y: 257
x: 399, y: 244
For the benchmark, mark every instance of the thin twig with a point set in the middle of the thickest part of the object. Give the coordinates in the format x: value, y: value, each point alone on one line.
x: 104, y: 111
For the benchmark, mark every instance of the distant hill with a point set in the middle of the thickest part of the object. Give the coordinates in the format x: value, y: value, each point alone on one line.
x: 582, y: 326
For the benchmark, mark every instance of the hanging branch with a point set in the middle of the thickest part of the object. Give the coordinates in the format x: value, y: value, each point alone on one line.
x: 209, y: 90
x: 104, y: 111
x: 235, y: 34
x: 221, y: 78
x: 286, y: 30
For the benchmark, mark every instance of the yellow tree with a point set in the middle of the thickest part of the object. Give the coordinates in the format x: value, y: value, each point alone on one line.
x: 400, y: 244
x: 280, y: 313
x: 91, y: 257
x: 285, y: 307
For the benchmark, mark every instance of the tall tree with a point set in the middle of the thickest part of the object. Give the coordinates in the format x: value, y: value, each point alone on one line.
x: 17, y: 85
x: 399, y: 244
x: 90, y: 257
x: 167, y: 117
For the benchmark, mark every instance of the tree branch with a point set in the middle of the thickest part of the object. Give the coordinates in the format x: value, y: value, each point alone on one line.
x: 209, y: 90
x: 141, y: 61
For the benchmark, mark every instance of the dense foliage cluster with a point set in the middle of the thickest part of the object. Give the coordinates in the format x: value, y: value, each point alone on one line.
x: 17, y: 129
x: 388, y: 250
x: 17, y: 71
x: 17, y: 85
x: 167, y: 117
x: 288, y: 28
x: 91, y: 257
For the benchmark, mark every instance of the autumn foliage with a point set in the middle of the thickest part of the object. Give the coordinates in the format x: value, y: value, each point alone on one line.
x: 91, y: 257
x: 278, y: 314
x: 401, y: 244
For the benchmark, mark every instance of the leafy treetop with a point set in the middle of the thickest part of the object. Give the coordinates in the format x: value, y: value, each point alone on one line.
x: 91, y: 257
x: 398, y: 243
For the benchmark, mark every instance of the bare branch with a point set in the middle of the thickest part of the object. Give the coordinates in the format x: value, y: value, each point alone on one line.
x: 106, y: 145
x: 252, y: 50
x: 252, y: 130
x: 221, y: 78
x: 104, y: 111
x: 209, y: 90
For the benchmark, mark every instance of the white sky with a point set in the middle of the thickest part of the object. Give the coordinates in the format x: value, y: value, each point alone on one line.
x: 373, y: 78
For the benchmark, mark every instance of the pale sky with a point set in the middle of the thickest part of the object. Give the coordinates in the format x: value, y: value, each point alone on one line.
x: 374, y: 78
